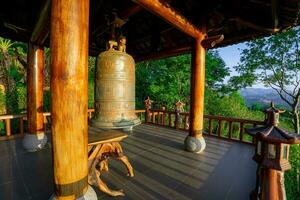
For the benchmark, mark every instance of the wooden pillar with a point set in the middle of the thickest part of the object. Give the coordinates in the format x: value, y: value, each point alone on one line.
x: 195, y: 142
x: 69, y: 64
x: 197, y: 89
x: 35, y: 71
x: 35, y: 139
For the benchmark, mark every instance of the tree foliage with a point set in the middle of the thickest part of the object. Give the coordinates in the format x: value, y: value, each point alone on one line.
x: 12, y: 75
x: 167, y: 81
x: 274, y: 61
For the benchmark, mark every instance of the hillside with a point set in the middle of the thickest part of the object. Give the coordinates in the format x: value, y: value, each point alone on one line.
x: 263, y: 96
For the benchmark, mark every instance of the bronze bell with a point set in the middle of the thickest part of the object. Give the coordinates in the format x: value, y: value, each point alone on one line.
x: 115, y: 89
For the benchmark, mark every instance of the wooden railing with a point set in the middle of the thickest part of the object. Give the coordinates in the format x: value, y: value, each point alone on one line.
x: 216, y: 126
x: 7, y: 121
x: 14, y: 126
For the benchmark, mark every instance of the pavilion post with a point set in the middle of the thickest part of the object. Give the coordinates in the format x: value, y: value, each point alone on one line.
x: 195, y: 141
x: 36, y: 138
x: 69, y: 64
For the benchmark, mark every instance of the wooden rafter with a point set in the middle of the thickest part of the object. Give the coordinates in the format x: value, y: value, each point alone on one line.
x: 166, y: 53
x: 207, y: 43
x: 123, y: 15
x: 169, y: 14
x: 41, y: 30
x: 274, y: 11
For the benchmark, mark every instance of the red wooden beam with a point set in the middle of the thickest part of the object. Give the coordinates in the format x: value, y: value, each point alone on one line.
x: 165, y: 54
x: 169, y: 14
x: 206, y: 43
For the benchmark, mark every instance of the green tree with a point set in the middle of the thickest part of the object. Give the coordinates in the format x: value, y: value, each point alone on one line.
x: 167, y: 81
x: 274, y: 61
x: 12, y: 73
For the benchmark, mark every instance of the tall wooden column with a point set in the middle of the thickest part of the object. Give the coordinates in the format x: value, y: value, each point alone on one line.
x: 35, y: 139
x: 195, y: 142
x: 69, y: 64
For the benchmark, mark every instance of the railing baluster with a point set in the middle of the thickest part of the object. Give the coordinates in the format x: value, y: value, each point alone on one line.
x: 230, y: 130
x: 163, y: 118
x: 184, y: 125
x: 219, y: 127
x: 187, y: 124
x: 209, y: 126
x: 159, y: 117
x: 21, y: 125
x: 7, y: 127
x: 241, y: 131
x: 153, y: 117
x: 177, y: 125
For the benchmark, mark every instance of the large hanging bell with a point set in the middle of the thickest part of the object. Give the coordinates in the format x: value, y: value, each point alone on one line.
x: 115, y: 89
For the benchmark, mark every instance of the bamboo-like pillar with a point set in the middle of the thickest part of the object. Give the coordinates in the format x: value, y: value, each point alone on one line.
x: 194, y: 141
x: 36, y: 138
x: 69, y: 64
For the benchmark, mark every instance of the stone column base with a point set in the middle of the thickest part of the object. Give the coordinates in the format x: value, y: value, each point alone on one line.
x: 34, y: 142
x: 128, y: 129
x: 89, y: 195
x: 194, y: 144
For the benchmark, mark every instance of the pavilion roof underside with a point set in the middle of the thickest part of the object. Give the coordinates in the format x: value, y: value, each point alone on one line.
x: 237, y: 20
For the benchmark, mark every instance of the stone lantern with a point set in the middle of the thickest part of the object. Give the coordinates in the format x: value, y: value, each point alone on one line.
x: 178, y: 109
x: 147, y: 103
x: 271, y: 155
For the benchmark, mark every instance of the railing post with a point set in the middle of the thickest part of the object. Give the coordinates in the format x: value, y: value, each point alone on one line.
x: 209, y: 126
x: 185, y: 122
x: 230, y: 130
x: 163, y: 117
x: 219, y: 127
x: 21, y: 126
x: 153, y: 117
x: 7, y: 127
x: 177, y: 119
x: 241, y: 131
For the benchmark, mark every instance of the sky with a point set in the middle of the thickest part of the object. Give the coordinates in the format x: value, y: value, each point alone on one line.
x: 231, y: 56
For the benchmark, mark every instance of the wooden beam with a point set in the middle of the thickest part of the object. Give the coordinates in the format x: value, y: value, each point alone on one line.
x: 170, y: 15
x: 69, y: 64
x: 254, y: 25
x: 165, y: 54
x: 127, y: 13
x: 207, y: 43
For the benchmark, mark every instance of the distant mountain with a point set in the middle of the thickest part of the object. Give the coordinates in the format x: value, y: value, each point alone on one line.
x: 262, y: 96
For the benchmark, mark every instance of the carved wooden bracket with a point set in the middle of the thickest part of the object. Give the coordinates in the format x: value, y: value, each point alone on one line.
x: 212, y: 41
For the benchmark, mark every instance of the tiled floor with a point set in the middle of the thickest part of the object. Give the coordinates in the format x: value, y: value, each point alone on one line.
x: 163, y: 170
